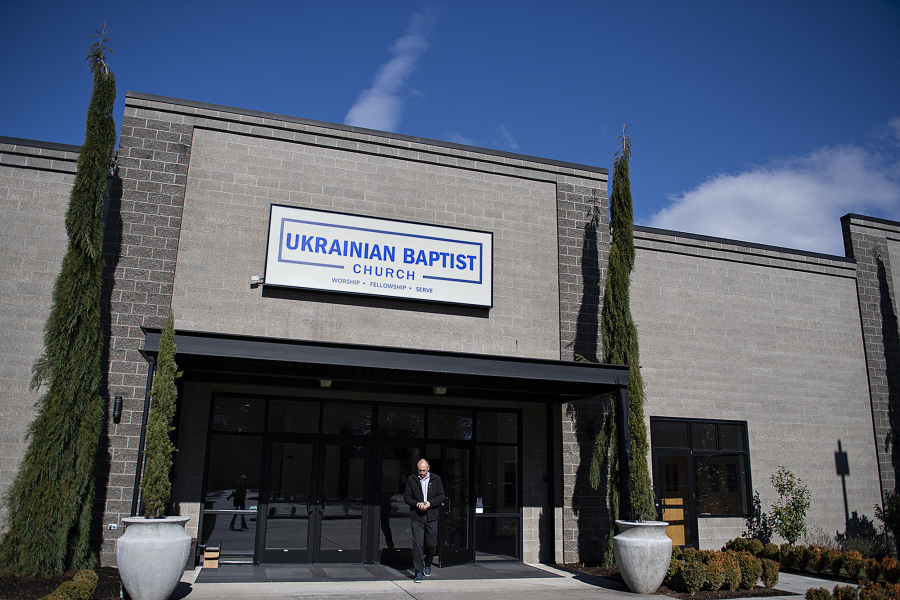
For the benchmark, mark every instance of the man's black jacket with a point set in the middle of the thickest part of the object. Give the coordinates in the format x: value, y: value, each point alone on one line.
x: 413, y: 495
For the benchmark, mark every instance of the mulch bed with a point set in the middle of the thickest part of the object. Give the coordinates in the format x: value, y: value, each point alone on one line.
x: 613, y: 573
x: 15, y: 587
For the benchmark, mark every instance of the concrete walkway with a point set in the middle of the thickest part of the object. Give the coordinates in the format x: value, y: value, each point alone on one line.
x: 558, y: 583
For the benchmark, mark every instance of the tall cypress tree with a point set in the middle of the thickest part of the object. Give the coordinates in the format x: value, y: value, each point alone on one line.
x: 50, y: 502
x: 620, y: 346
x: 156, y: 485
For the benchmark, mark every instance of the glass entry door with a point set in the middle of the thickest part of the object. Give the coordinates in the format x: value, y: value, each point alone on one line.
x: 314, y: 501
x: 674, y: 484
x: 455, y: 535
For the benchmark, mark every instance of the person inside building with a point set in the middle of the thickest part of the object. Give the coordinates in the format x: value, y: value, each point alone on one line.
x: 424, y: 493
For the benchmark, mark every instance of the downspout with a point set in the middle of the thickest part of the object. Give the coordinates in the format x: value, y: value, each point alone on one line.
x: 140, y: 457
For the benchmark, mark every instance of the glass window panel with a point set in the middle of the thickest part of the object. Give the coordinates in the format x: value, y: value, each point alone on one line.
x: 669, y: 434
x: 721, y: 484
x: 239, y: 414
x: 496, y: 474
x: 290, y: 489
x: 499, y: 427
x: 455, y: 519
x: 347, y: 419
x: 232, y: 483
x: 343, y: 497
x: 401, y: 422
x: 703, y: 436
x: 293, y: 416
x: 397, y: 464
x: 731, y: 438
x: 498, y: 536
x: 450, y: 423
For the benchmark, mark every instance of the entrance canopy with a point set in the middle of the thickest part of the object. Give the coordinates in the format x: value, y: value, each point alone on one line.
x: 386, y: 370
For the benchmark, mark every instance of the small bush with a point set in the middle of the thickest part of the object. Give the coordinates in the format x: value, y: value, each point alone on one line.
x: 732, y: 566
x: 715, y: 571
x: 804, y: 555
x: 737, y: 544
x: 869, y: 590
x: 845, y: 592
x: 853, y: 563
x: 818, y: 594
x: 890, y: 568
x: 872, y: 567
x: 771, y: 552
x: 835, y: 560
x: 694, y: 574
x: 751, y: 570
x: 819, y: 558
x: 788, y: 556
x: 80, y: 587
x: 769, y: 572
x: 674, y: 566
x: 755, y: 547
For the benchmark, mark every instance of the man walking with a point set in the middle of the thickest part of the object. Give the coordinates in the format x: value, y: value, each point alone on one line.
x: 424, y: 494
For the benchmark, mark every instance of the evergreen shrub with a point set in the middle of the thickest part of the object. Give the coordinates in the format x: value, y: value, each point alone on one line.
x: 835, y: 560
x: 755, y: 547
x: 804, y: 555
x: 873, y: 569
x: 80, y: 587
x: 890, y: 568
x: 732, y: 566
x: 853, y: 563
x: 751, y: 570
x: 769, y: 572
x: 845, y: 592
x: 820, y: 559
x: 788, y: 555
x: 818, y: 594
x: 694, y: 573
x: 737, y: 544
x: 869, y: 590
x: 771, y: 552
x: 715, y: 570
x: 674, y: 566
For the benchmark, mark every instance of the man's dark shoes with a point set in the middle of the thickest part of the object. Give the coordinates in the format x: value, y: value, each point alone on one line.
x: 428, y: 571
x: 418, y: 578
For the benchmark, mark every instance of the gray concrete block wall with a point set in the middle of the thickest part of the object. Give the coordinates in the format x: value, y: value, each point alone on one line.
x: 145, y: 226
x: 584, y: 513
x: 35, y: 181
x: 234, y: 179
x: 875, y: 244
x: 730, y: 331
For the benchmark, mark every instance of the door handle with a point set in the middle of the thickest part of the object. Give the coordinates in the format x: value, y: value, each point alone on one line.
x: 309, y: 507
x: 322, y: 502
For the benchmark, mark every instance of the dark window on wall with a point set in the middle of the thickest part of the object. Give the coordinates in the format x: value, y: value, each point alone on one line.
x: 715, y: 453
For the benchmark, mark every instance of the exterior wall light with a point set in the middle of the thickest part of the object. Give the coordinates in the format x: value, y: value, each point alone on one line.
x: 440, y: 391
x: 117, y: 409
x: 325, y: 383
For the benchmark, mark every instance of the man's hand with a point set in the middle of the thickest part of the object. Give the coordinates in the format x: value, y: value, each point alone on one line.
x: 423, y: 505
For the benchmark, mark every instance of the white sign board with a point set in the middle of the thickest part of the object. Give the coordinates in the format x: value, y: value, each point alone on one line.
x: 320, y: 250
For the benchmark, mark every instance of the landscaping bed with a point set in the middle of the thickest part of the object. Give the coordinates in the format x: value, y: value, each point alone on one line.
x: 16, y: 587
x: 613, y: 573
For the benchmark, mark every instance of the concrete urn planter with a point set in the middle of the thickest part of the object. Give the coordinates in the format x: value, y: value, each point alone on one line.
x: 152, y: 555
x: 642, y: 552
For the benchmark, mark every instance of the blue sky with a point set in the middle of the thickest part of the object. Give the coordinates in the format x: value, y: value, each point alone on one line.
x: 757, y: 121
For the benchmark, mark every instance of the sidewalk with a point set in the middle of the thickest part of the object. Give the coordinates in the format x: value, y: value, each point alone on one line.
x: 557, y: 583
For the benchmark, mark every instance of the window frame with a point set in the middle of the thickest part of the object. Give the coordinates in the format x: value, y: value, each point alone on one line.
x: 692, y: 454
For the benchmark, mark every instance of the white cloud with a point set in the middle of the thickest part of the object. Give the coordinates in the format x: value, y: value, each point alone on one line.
x: 507, y: 137
x: 381, y: 106
x: 461, y: 139
x: 794, y: 203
